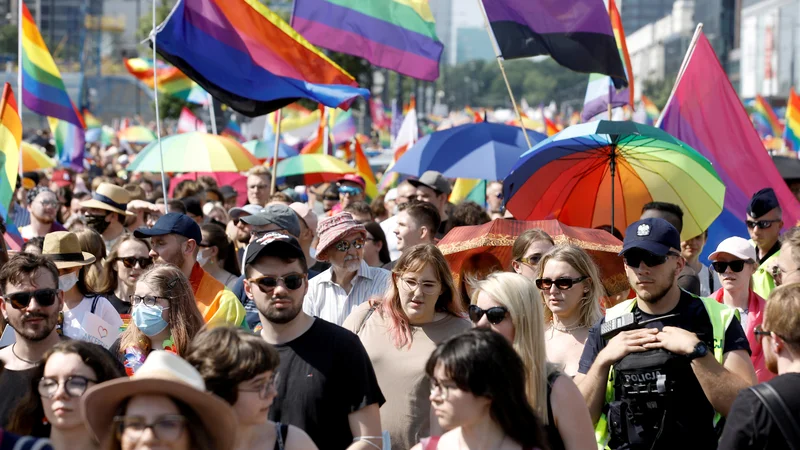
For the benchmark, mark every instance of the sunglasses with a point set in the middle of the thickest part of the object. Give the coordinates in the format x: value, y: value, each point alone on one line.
x: 131, y: 261
x: 634, y: 258
x: 763, y: 224
x: 344, y: 246
x: 562, y: 283
x: 494, y: 315
x: 292, y: 282
x: 74, y: 386
x: 349, y: 190
x: 531, y: 260
x: 736, y: 266
x: 21, y: 300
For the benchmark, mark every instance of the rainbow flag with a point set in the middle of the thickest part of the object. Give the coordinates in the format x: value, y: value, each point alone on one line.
x: 396, y: 34
x: 791, y: 133
x: 10, y: 141
x: 91, y: 120
x: 764, y: 118
x: 70, y: 143
x: 365, y: 170
x: 43, y: 90
x: 342, y: 126
x: 248, y: 58
x: 468, y: 190
x: 601, y: 91
x: 171, y: 81
x: 650, y: 109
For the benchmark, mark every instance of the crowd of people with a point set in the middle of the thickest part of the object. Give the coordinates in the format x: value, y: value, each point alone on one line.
x: 310, y: 318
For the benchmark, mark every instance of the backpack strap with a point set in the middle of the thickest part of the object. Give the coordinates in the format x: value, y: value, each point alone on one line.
x: 779, y: 412
x: 94, y: 303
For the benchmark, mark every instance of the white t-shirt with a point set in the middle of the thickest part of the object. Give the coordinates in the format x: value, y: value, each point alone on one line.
x: 74, y: 317
x: 388, y: 227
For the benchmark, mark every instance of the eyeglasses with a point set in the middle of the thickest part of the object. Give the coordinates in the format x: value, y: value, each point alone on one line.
x: 21, y: 300
x: 635, y: 258
x: 494, y: 315
x: 763, y: 224
x: 165, y: 428
x: 263, y: 390
x: 760, y: 332
x: 778, y: 273
x: 531, y: 260
x: 131, y: 261
x: 147, y: 300
x: 344, y: 246
x: 563, y: 283
x: 292, y: 282
x: 349, y: 190
x: 74, y: 386
x: 411, y: 285
x: 736, y: 266
x: 50, y: 203
x: 440, y: 389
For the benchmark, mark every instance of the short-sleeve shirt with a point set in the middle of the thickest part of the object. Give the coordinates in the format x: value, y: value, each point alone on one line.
x: 324, y: 376
x: 696, y: 414
x: 328, y: 300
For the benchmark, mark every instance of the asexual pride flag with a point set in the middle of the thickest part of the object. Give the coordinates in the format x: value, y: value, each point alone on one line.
x: 575, y: 33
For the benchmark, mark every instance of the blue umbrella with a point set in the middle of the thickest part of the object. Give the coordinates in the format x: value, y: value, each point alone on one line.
x: 485, y: 151
x: 265, y: 149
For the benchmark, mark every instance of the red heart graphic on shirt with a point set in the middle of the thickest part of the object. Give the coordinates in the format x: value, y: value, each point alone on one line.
x: 102, y: 331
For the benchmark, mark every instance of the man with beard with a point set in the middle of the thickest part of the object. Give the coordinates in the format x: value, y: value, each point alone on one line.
x: 672, y: 213
x: 239, y: 231
x: 685, y: 362
x: 30, y: 303
x: 43, y: 207
x: 750, y: 423
x: 327, y: 385
x: 336, y: 292
x: 174, y: 240
x: 106, y: 212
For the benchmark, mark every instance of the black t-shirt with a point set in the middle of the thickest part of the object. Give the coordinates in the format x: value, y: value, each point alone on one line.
x: 749, y: 424
x: 694, y: 413
x: 444, y: 227
x: 325, y: 375
x: 14, y: 385
x: 121, y: 306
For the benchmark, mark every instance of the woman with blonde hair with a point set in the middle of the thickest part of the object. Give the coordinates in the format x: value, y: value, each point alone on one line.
x: 420, y: 309
x: 571, y: 290
x: 128, y: 259
x: 92, y: 242
x: 164, y: 317
x: 528, y: 250
x: 508, y: 303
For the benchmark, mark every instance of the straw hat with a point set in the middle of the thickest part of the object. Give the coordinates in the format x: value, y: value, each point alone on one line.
x: 163, y: 373
x: 332, y: 229
x: 64, y: 249
x: 111, y: 198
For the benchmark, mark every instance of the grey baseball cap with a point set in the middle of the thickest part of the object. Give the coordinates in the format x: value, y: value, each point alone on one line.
x: 246, y: 210
x: 277, y: 214
x: 434, y: 180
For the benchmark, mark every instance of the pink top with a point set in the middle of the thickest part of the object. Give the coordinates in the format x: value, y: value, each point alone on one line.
x: 755, y: 315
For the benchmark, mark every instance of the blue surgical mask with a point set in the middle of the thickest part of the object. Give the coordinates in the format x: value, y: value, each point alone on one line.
x: 148, y: 319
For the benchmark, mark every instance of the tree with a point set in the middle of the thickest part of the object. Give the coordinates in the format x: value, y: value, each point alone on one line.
x: 658, y: 90
x: 8, y: 40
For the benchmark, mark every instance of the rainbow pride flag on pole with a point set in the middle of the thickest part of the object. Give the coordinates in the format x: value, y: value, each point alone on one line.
x: 248, y: 58
x: 70, y: 143
x: 171, y: 81
x: 650, y: 109
x: 10, y: 141
x: 91, y: 121
x: 396, y: 34
x: 765, y: 119
x: 43, y: 90
x: 791, y: 133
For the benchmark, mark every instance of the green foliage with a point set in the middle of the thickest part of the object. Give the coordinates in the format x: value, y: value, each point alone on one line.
x: 658, y: 91
x: 8, y: 40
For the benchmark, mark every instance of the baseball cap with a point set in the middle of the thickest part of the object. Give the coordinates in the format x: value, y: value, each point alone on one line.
x: 434, y: 180
x: 654, y: 235
x: 172, y: 223
x: 736, y: 246
x: 227, y: 192
x: 238, y: 212
x: 61, y: 178
x: 307, y: 214
x: 353, y: 178
x: 273, y: 244
x: 276, y: 214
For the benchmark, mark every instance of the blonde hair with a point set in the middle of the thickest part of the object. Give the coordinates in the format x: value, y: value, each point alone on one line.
x: 783, y: 314
x: 518, y: 294
x: 92, y: 242
x: 579, y: 260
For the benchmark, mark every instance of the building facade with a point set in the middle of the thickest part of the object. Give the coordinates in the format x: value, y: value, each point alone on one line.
x: 638, y: 13
x: 769, y: 53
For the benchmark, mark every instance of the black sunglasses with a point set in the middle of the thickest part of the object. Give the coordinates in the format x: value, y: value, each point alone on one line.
x: 292, y: 282
x: 130, y: 262
x: 495, y: 314
x: 736, y: 266
x: 21, y: 300
x: 763, y: 224
x: 634, y: 258
x: 562, y: 284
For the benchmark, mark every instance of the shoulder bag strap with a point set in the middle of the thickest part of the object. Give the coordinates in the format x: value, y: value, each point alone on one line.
x: 281, y: 430
x: 779, y: 412
x: 364, y: 320
x: 94, y: 303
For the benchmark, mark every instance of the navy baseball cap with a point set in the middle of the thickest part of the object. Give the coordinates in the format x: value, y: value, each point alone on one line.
x: 274, y: 244
x: 654, y: 235
x: 172, y: 223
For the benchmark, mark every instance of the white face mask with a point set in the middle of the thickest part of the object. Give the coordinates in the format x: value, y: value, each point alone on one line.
x: 202, y: 259
x: 68, y: 281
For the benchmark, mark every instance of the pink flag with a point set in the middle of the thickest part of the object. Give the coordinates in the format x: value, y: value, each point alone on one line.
x: 705, y: 112
x: 189, y: 122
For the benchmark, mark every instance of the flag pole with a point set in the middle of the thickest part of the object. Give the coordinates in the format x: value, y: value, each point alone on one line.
x: 686, y: 58
x: 19, y: 80
x: 326, y: 131
x: 499, y: 58
x: 277, y: 136
x: 158, y: 118
x: 212, y: 114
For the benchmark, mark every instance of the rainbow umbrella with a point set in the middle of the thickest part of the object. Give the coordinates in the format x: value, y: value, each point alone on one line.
x: 265, y: 149
x: 34, y: 158
x: 312, y: 169
x: 194, y: 152
x: 574, y: 175
x: 137, y: 135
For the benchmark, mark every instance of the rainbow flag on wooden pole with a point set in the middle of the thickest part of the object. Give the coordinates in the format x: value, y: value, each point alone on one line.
x: 10, y: 144
x: 765, y: 119
x: 791, y: 132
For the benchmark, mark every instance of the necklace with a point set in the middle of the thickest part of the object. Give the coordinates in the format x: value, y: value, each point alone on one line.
x: 33, y: 363
x: 565, y: 329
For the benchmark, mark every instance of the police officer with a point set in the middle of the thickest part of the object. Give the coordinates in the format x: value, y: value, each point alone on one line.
x: 764, y: 222
x: 681, y: 361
